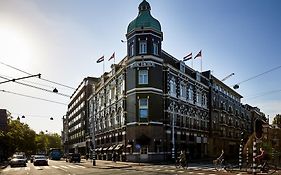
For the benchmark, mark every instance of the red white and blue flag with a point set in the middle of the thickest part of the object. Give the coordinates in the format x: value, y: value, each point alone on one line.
x: 101, y: 59
x: 199, y: 54
x: 187, y: 57
x: 112, y: 56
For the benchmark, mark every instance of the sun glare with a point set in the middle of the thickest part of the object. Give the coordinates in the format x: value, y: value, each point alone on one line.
x: 14, y: 47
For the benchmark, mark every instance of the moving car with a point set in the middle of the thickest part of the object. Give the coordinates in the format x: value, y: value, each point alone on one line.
x: 40, y: 160
x: 18, y: 160
x: 73, y: 157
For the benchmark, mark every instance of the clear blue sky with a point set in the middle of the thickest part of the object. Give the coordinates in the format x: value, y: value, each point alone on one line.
x: 62, y: 39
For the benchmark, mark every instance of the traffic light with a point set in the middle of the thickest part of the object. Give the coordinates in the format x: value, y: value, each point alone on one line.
x: 259, y: 128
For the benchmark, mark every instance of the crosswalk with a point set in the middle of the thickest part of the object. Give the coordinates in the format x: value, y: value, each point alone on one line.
x: 44, y: 167
x: 199, y: 170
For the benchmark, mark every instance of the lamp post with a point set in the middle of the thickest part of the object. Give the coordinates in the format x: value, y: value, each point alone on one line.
x: 93, y: 137
x: 173, y: 131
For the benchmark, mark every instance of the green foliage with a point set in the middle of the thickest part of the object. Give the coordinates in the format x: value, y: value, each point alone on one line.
x: 20, y: 138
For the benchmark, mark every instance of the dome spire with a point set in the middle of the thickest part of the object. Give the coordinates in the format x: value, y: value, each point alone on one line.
x: 144, y: 6
x: 144, y: 20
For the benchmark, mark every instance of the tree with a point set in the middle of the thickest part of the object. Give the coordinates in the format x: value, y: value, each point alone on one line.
x: 277, y: 120
x: 19, y: 138
x: 46, y: 141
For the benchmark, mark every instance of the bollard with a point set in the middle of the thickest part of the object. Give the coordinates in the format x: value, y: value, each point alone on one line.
x: 240, y: 154
x: 254, y: 155
x: 247, y: 156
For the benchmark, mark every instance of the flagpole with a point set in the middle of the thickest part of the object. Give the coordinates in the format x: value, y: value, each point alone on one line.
x: 114, y: 58
x: 201, y: 63
x: 103, y: 67
x: 201, y: 60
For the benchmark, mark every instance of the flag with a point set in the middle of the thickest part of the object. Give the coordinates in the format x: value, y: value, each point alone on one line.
x: 187, y: 57
x: 101, y: 59
x: 199, y: 54
x: 112, y: 56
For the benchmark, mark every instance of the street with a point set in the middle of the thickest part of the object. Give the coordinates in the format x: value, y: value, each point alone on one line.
x: 108, y: 167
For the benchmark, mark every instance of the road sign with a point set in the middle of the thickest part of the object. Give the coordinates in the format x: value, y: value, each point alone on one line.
x: 138, y: 146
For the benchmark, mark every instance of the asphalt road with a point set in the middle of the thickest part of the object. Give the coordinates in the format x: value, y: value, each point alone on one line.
x: 108, y: 168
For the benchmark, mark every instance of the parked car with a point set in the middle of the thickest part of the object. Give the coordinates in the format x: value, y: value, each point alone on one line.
x: 73, y: 157
x: 40, y: 160
x: 18, y: 160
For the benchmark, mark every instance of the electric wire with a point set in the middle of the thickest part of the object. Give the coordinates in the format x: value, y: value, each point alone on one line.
x: 27, y: 115
x: 26, y: 81
x: 259, y: 75
x: 263, y: 94
x: 32, y: 86
x: 40, y: 78
x: 38, y: 98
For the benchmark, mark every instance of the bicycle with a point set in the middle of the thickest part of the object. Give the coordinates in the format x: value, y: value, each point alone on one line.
x: 267, y: 167
x: 220, y: 164
x: 183, y: 164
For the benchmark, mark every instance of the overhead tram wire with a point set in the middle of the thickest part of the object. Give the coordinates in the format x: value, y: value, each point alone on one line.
x: 25, y: 84
x: 263, y: 94
x: 236, y: 86
x: 27, y: 115
x: 40, y: 78
x: 38, y: 98
x: 26, y: 81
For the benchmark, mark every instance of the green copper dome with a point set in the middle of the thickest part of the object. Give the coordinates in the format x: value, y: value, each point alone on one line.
x: 144, y: 19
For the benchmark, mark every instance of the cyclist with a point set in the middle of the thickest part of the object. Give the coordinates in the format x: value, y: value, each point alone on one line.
x: 220, y: 159
x: 182, y: 159
x: 262, y: 157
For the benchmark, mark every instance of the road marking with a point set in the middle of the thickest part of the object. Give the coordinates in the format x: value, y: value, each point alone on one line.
x: 80, y: 166
x: 46, y: 167
x: 64, y: 167
x: 180, y: 171
x: 55, y: 167
x: 200, y: 173
x: 71, y: 166
x: 27, y: 168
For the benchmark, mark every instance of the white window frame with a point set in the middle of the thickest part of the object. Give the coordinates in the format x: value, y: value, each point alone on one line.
x: 173, y: 87
x: 155, y: 49
x: 143, y: 107
x: 143, y: 76
x: 143, y: 47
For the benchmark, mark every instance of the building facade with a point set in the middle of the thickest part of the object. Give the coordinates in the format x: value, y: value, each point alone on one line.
x: 75, y: 125
x: 150, y: 106
x: 230, y: 120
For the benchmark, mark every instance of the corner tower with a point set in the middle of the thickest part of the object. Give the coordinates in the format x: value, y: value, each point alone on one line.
x: 144, y: 87
x: 144, y: 35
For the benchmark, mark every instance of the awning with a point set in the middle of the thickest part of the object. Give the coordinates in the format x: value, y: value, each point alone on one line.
x: 118, y: 146
x: 129, y: 146
x: 105, y: 148
x: 99, y: 149
x: 111, y: 148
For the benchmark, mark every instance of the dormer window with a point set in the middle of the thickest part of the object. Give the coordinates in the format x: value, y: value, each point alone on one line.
x: 143, y: 47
